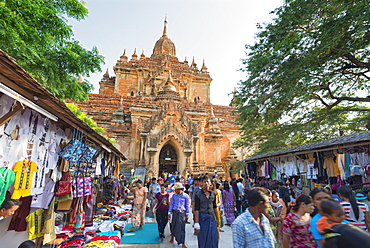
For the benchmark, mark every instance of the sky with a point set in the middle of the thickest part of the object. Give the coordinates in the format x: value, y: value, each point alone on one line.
x: 215, y: 31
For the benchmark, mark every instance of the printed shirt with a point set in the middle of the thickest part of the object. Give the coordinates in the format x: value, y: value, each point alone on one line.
x: 7, y: 177
x: 350, y: 215
x: 299, y: 231
x: 247, y: 232
x: 23, y: 180
x: 36, y: 222
x: 179, y: 202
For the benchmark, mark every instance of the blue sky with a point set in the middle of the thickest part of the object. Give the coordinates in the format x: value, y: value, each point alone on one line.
x: 214, y: 30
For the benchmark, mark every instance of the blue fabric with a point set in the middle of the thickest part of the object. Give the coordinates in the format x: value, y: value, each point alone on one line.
x: 180, y: 202
x: 149, y: 235
x: 208, y: 235
x: 316, y: 234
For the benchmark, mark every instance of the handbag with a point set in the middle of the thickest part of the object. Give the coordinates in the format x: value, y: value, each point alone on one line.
x: 64, y: 185
x: 79, y: 218
x: 64, y: 205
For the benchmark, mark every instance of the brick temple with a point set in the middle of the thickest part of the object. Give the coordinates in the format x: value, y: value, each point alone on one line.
x: 159, y: 111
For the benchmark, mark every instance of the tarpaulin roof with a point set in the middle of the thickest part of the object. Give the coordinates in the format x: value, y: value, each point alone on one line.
x: 339, y: 142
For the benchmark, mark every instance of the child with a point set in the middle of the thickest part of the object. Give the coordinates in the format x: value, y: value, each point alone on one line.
x: 8, y: 207
x: 333, y: 214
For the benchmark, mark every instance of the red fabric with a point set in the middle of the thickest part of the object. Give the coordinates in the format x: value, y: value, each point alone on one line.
x: 18, y: 222
x: 114, y: 238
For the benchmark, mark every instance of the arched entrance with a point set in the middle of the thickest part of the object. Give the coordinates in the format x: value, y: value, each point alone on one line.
x: 168, y: 159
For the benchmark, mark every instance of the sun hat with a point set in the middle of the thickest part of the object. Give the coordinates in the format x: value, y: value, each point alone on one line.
x: 178, y: 186
x: 360, y: 196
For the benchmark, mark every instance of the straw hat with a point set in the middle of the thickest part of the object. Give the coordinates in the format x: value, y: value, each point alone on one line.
x: 178, y: 186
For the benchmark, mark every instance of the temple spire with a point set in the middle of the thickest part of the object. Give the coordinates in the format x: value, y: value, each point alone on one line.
x: 165, y: 28
x: 124, y: 58
x: 204, y: 68
x: 134, y: 56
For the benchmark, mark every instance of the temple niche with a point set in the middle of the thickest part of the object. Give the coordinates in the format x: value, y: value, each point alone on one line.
x: 159, y: 111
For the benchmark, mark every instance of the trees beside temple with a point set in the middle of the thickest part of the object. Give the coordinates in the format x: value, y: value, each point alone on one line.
x: 37, y: 35
x: 307, y: 75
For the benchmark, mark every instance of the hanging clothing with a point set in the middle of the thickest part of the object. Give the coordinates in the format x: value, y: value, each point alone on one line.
x: 36, y: 221
x: 24, y: 175
x: 7, y: 177
x: 18, y: 222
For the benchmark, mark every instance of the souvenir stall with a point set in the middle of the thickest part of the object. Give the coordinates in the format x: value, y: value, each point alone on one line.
x: 48, y: 161
x: 339, y: 161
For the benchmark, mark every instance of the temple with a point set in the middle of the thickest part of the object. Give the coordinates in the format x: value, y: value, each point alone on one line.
x: 159, y: 111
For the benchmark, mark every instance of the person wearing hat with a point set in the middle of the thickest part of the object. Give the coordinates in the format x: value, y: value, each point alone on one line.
x: 178, y: 212
x: 362, y: 198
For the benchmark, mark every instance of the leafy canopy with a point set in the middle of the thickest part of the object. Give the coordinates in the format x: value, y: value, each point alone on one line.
x: 307, y: 75
x: 37, y: 35
x: 88, y: 120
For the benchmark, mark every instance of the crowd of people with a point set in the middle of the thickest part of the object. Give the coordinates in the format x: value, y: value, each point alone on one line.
x: 277, y: 215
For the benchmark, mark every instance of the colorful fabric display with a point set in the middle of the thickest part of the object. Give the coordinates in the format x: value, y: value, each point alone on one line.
x: 101, y: 243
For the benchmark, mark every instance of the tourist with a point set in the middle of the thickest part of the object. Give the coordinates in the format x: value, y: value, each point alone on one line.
x: 235, y: 188
x: 217, y: 209
x: 357, y: 213
x: 333, y: 214
x: 241, y: 195
x: 8, y: 207
x: 318, y: 194
x: 160, y: 207
x: 229, y: 201
x: 252, y: 228
x: 296, y: 226
x: 179, y: 210
x: 153, y: 190
x: 274, y: 216
x: 285, y: 201
x: 190, y: 179
x: 196, y: 187
x: 138, y: 213
x: 204, y: 215
x: 220, y: 204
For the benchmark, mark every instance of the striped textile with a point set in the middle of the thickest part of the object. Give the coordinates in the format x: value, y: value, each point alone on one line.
x: 350, y: 215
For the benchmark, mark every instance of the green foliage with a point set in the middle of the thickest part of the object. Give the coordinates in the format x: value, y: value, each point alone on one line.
x: 236, y: 166
x: 82, y: 116
x: 37, y: 35
x: 307, y: 75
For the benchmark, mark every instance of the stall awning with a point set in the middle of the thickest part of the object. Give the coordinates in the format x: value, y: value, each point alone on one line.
x: 356, y: 139
x: 16, y: 79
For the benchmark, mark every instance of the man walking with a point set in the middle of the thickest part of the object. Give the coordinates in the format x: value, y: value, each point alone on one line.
x: 153, y: 190
x: 204, y: 216
x: 179, y: 209
x: 252, y: 228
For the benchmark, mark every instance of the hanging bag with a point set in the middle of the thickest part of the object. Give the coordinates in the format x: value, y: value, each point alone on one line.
x: 64, y: 186
x: 79, y: 219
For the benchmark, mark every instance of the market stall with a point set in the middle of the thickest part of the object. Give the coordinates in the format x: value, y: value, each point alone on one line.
x: 339, y: 161
x: 55, y: 165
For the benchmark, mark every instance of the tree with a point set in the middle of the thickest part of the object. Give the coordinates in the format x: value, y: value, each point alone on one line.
x: 37, y: 35
x: 88, y: 120
x: 307, y: 75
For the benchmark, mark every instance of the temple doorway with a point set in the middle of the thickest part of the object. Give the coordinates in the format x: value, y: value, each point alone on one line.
x: 167, y: 159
